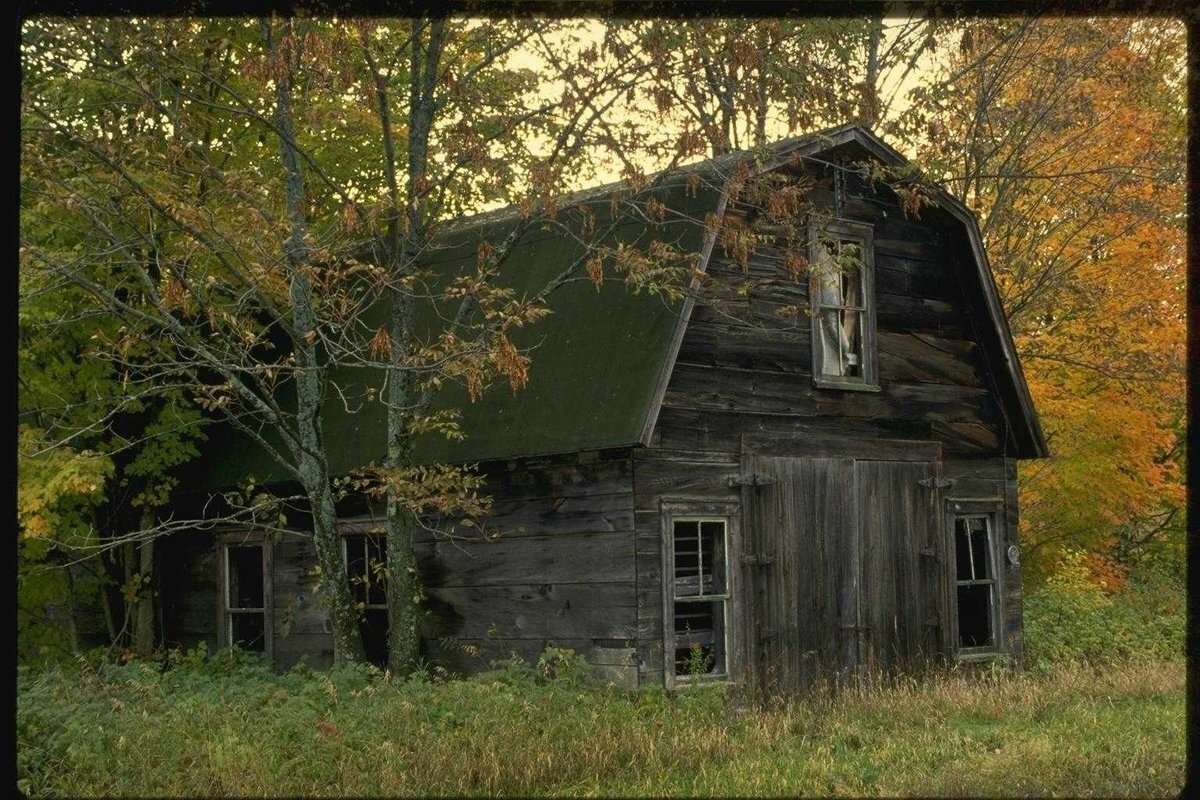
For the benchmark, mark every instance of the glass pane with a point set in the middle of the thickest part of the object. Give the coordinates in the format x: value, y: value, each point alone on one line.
x: 979, y: 548
x: 962, y: 549
x: 975, y: 615
x: 712, y: 565
x: 245, y: 576
x: 700, y: 638
x: 851, y: 343
x: 831, y: 342
x: 838, y: 294
x: 246, y: 631
x: 687, y: 558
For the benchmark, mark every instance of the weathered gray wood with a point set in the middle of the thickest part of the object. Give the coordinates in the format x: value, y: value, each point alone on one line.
x: 828, y: 446
x: 547, y: 610
x: 721, y: 431
x: 658, y: 476
x: 601, y: 557
x: 772, y: 392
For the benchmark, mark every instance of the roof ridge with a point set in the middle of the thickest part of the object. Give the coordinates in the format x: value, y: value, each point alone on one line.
x: 711, y: 163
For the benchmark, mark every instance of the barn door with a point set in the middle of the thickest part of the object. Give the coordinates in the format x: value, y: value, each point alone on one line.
x: 801, y: 571
x: 842, y: 568
x: 900, y: 571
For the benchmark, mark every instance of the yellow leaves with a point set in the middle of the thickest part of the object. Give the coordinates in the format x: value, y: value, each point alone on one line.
x: 58, y: 487
x: 448, y: 490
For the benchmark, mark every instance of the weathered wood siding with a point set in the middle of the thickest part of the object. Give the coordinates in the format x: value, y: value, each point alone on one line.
x: 187, y: 581
x: 743, y: 368
x: 553, y: 565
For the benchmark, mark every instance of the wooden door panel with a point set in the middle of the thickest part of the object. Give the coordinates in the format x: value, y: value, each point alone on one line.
x: 843, y: 570
x: 895, y: 526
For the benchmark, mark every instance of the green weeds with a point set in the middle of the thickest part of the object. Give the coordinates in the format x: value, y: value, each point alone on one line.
x: 227, y: 725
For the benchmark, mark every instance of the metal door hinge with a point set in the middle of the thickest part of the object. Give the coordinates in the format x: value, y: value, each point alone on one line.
x: 936, y: 483
x: 757, y: 558
x: 751, y: 480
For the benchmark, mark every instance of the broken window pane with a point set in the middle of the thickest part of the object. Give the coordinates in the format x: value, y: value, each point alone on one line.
x: 246, y: 631
x: 700, y: 638
x: 245, y: 576
x: 979, y: 549
x: 974, y: 615
x: 366, y: 568
x: 976, y: 588
x: 700, y: 590
x: 839, y: 304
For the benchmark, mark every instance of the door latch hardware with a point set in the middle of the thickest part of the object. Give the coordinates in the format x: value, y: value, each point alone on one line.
x: 757, y: 558
x: 751, y: 480
x: 936, y: 483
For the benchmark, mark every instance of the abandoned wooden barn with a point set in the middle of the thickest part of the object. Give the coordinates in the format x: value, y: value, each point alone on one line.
x: 804, y: 479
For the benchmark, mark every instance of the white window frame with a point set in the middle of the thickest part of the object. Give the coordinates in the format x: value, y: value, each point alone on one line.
x: 863, y: 234
x: 700, y: 511
x: 228, y: 611
x: 992, y: 512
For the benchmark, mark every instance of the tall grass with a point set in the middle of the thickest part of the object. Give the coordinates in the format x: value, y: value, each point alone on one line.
x: 227, y: 727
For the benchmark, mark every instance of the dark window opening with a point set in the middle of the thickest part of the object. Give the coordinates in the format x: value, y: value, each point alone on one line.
x: 977, y: 600
x: 245, y: 597
x: 700, y: 595
x: 366, y: 568
x: 248, y: 631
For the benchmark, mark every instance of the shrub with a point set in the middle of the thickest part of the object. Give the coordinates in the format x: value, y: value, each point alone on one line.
x: 1073, y: 619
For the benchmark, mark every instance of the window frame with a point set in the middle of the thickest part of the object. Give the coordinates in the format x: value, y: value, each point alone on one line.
x: 993, y: 512
x: 225, y: 623
x: 687, y: 510
x: 864, y: 235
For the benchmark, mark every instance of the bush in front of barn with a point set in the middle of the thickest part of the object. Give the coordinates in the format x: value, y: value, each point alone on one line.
x: 1074, y: 618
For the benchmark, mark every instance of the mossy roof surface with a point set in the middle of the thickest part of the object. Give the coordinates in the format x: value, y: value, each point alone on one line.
x: 596, y: 360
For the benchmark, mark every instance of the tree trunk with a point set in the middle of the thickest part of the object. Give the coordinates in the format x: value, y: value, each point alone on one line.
x: 404, y: 592
x: 869, y: 111
x: 144, y: 640
x: 72, y: 626
x: 312, y: 458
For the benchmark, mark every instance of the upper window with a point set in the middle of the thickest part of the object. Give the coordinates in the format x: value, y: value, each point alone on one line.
x: 700, y: 597
x: 841, y: 264
x: 977, y: 588
x: 246, y: 595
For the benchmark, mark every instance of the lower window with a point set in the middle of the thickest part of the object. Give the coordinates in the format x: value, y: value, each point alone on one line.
x: 699, y: 597
x: 977, y: 586
x: 246, y: 595
x: 366, y: 568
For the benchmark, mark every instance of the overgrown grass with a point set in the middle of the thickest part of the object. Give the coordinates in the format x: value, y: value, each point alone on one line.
x: 227, y: 728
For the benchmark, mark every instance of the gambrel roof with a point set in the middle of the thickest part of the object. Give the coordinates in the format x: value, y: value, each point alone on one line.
x: 601, y: 361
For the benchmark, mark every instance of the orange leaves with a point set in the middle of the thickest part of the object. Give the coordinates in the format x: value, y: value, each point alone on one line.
x: 512, y: 364
x: 595, y: 270
x: 380, y: 345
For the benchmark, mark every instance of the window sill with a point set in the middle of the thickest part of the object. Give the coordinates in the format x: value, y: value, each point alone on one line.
x: 685, y: 681
x: 849, y: 386
x: 980, y: 655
